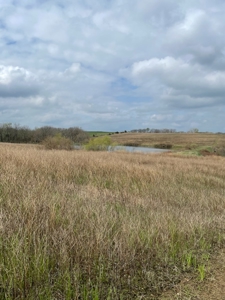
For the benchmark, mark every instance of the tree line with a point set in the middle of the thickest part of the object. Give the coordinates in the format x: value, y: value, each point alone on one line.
x: 165, y: 130
x: 154, y: 130
x: 14, y: 133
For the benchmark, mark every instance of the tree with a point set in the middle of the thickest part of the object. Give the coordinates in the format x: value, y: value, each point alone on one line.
x: 194, y: 130
x: 76, y: 134
x: 5, y: 132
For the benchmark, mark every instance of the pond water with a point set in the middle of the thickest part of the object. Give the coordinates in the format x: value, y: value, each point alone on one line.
x: 137, y: 149
x: 130, y: 149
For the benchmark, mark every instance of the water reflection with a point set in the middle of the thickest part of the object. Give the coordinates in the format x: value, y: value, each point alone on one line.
x: 137, y: 149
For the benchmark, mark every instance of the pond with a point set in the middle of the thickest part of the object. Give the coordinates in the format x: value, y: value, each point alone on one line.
x: 137, y: 149
x: 130, y: 149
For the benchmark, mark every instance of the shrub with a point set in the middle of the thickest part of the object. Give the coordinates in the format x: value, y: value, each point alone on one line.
x: 163, y: 146
x: 58, y: 142
x: 99, y: 144
x: 220, y: 151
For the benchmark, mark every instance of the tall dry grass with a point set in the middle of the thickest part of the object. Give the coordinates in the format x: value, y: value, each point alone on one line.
x: 87, y: 225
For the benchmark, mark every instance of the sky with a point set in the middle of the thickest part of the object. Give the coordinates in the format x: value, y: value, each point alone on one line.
x: 113, y: 65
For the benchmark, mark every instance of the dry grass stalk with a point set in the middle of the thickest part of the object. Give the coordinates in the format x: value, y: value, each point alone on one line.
x: 87, y: 225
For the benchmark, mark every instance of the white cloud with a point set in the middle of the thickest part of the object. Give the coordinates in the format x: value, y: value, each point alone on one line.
x: 17, y: 82
x: 74, y: 68
x: 162, y: 13
x: 161, y: 117
x: 10, y: 73
x: 182, y: 82
x: 112, y: 65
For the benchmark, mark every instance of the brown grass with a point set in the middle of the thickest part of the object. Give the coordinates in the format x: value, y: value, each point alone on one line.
x: 87, y: 225
x: 185, y: 141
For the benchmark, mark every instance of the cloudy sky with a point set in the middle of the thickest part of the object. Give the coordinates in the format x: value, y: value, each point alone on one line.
x: 113, y: 64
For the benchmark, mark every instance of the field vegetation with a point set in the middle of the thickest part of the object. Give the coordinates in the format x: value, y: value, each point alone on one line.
x: 100, y: 143
x: 192, y: 143
x: 105, y: 225
x: 58, y: 142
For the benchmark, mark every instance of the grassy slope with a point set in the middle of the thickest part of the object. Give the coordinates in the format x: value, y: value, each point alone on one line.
x: 178, y: 141
x: 86, y: 225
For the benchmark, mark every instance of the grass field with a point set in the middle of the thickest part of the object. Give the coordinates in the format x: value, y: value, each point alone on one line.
x: 100, y: 225
x: 175, y: 141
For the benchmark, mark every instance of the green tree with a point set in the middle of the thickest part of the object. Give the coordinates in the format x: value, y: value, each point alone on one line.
x: 100, y: 143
